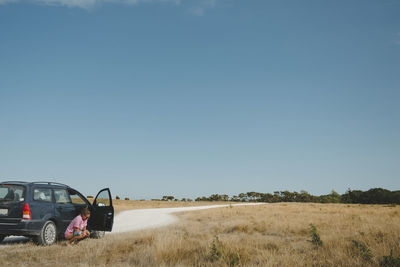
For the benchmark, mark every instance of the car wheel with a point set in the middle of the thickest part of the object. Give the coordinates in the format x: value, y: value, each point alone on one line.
x: 48, y: 234
x: 97, y: 234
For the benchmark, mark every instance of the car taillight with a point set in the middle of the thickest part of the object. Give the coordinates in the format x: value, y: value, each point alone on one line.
x: 26, y: 212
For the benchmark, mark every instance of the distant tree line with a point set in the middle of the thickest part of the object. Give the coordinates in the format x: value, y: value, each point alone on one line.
x: 172, y: 198
x: 372, y: 196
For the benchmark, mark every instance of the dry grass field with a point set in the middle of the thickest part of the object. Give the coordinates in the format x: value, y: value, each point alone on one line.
x: 267, y: 235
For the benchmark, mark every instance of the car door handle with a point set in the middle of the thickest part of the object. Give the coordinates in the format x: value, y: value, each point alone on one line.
x: 109, y: 214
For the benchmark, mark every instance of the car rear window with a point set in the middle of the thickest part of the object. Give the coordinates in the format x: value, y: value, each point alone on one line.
x: 12, y: 193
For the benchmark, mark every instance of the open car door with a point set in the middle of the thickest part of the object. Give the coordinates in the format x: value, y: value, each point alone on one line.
x: 102, y: 216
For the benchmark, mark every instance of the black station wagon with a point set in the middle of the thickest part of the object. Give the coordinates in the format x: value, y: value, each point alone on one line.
x: 43, y: 210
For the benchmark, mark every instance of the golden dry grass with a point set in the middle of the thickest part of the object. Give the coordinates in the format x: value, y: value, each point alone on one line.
x: 267, y: 235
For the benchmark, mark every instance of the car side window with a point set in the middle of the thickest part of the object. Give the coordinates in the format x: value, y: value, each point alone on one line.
x: 42, y: 194
x: 61, y: 196
x: 76, y: 198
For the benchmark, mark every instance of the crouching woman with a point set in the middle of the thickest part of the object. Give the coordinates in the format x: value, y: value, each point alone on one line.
x: 76, y: 230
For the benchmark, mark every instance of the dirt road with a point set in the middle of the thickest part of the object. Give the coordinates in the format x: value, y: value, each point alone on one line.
x: 133, y: 220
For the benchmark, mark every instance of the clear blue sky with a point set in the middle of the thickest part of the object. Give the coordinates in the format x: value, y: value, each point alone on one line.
x: 190, y: 98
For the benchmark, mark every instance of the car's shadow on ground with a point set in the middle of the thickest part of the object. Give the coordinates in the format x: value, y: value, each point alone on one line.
x: 16, y: 240
x: 11, y: 240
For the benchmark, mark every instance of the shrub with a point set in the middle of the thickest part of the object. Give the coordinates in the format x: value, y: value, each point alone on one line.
x: 390, y: 261
x: 363, y: 250
x: 117, y: 197
x: 234, y: 259
x: 89, y: 197
x: 168, y: 198
x: 315, y: 238
x: 127, y: 198
x: 217, y: 249
x: 219, y: 252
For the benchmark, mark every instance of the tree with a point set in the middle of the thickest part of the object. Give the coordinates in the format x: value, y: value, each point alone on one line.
x: 267, y: 198
x: 242, y: 197
x: 168, y: 198
x: 224, y: 197
x: 286, y: 196
x: 305, y: 196
x: 251, y: 196
x: 335, y: 197
x: 235, y: 199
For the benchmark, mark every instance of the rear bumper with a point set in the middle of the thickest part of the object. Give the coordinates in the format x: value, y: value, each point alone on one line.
x: 21, y: 227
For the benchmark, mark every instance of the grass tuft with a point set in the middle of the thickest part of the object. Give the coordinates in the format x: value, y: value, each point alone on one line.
x: 390, y: 261
x: 363, y: 250
x: 315, y: 238
x: 217, y: 250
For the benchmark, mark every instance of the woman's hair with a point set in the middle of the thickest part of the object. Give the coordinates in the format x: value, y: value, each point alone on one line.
x: 85, y: 211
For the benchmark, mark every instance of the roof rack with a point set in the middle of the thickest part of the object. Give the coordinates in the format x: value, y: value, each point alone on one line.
x: 49, y: 183
x: 22, y: 182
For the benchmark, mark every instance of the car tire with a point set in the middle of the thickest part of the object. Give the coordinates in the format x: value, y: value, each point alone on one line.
x: 97, y: 234
x: 48, y: 234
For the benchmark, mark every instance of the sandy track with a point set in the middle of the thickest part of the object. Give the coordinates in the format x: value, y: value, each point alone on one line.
x: 133, y: 220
